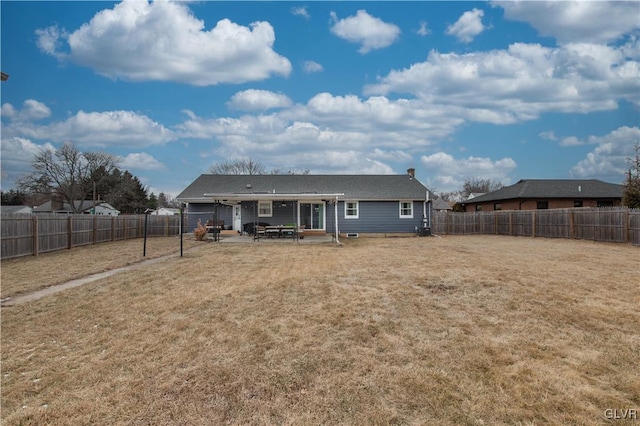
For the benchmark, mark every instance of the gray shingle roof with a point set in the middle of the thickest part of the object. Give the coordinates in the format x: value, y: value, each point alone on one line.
x: 357, y: 187
x: 15, y: 209
x: 553, y: 188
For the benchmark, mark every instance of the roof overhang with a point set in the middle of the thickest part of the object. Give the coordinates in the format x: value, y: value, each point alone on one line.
x: 230, y: 197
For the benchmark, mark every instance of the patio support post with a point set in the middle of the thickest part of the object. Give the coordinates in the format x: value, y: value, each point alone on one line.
x: 181, y: 230
x: 335, y: 209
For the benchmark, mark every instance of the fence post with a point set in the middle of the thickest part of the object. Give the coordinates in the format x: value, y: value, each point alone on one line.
x: 533, y: 223
x: 626, y: 224
x: 166, y: 226
x: 70, y: 232
x: 35, y: 235
x: 113, y: 228
x: 95, y: 228
x: 511, y: 224
x: 572, y: 231
x: 446, y: 223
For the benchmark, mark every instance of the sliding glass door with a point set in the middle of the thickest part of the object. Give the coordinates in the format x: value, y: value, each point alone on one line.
x: 312, y: 215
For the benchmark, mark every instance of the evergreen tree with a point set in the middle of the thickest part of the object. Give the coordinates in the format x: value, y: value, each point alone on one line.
x: 13, y: 198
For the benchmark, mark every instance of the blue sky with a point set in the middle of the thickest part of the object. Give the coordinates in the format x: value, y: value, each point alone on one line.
x: 498, y: 90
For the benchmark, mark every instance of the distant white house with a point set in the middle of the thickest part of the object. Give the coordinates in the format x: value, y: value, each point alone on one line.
x: 16, y: 210
x: 165, y: 211
x: 84, y: 207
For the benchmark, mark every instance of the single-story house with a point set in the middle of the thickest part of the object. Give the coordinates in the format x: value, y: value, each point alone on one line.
x: 16, y: 209
x: 83, y: 206
x: 165, y: 211
x: 538, y: 194
x: 333, y: 204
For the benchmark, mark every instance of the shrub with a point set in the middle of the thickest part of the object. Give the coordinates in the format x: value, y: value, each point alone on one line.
x: 200, y: 232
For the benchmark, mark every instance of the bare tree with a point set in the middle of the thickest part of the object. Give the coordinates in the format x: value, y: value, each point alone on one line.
x: 471, y: 185
x: 67, y: 173
x: 631, y: 194
x: 476, y: 184
x: 290, y: 172
x: 237, y: 166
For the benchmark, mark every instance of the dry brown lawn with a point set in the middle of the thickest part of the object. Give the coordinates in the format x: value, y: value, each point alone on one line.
x: 27, y: 274
x: 455, y: 330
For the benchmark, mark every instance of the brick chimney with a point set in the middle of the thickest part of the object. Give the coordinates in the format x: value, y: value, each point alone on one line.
x: 411, y: 172
x: 57, y: 203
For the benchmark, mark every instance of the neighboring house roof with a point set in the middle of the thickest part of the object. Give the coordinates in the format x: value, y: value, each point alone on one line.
x: 15, y: 209
x: 81, y: 206
x: 440, y: 204
x: 553, y: 188
x: 475, y: 195
x: 354, y: 187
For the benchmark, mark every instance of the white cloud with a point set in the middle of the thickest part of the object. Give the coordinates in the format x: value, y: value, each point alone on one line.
x: 467, y: 26
x: 576, y: 21
x: 31, y: 110
x: 450, y: 173
x: 49, y: 40
x: 608, y: 161
x: 300, y: 11
x: 548, y: 135
x: 311, y: 66
x: 370, y: 32
x: 110, y: 128
x: 258, y: 100
x: 520, y: 83
x: 423, y: 30
x: 571, y: 141
x: 17, y: 156
x: 163, y: 41
x: 139, y: 161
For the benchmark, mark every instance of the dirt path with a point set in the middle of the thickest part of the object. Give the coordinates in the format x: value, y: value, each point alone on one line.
x: 30, y: 297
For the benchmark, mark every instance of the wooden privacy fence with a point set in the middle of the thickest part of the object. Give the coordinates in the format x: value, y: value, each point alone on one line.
x: 617, y: 224
x: 25, y: 235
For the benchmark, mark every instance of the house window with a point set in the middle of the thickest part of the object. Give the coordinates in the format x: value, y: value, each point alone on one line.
x: 351, y: 210
x: 478, y: 208
x: 406, y: 209
x: 604, y: 203
x: 265, y: 209
x: 577, y: 203
x: 497, y: 206
x: 542, y: 205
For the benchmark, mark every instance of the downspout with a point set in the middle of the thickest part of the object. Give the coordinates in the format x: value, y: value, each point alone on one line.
x: 429, y: 211
x: 335, y: 209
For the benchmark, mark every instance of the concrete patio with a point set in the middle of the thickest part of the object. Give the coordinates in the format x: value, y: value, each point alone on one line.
x: 244, y: 239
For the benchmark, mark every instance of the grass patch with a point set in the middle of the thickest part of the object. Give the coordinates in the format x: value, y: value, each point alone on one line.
x: 457, y: 330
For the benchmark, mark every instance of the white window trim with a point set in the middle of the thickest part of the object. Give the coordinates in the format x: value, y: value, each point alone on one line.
x: 270, y: 214
x: 357, y: 215
x: 405, y: 216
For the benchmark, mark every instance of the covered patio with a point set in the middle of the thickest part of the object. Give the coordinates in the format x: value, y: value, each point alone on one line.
x: 281, y: 216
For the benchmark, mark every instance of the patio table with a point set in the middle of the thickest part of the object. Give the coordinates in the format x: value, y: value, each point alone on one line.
x: 280, y: 230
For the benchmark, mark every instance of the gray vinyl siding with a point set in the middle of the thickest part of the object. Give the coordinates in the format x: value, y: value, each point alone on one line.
x: 374, y: 216
x: 377, y: 217
x: 281, y: 215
